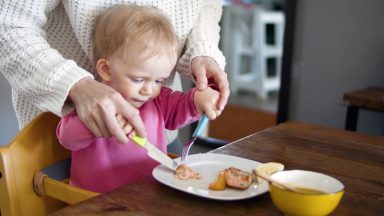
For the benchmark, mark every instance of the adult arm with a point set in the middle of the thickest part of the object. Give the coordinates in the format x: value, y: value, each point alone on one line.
x: 36, y: 72
x: 43, y: 78
x: 202, y: 57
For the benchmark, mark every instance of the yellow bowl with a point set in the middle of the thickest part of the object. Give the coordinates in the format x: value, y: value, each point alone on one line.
x: 308, y: 204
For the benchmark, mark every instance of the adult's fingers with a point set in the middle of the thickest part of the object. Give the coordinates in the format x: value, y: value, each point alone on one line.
x: 200, y: 75
x: 131, y: 134
x: 220, y: 80
x: 92, y: 126
x: 121, y: 120
x: 94, y: 122
x: 99, y: 120
x: 127, y: 128
x: 123, y: 123
x: 206, y: 67
x: 223, y: 87
x: 132, y: 115
x: 114, y: 128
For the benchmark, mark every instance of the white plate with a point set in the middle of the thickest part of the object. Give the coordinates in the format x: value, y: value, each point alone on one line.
x: 208, y: 165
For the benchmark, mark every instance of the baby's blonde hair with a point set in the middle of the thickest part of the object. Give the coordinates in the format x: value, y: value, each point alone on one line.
x: 134, y: 33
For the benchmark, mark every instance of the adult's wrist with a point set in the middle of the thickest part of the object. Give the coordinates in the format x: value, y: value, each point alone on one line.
x: 76, y: 88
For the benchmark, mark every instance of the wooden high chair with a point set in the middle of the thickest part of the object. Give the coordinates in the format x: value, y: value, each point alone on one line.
x: 26, y: 184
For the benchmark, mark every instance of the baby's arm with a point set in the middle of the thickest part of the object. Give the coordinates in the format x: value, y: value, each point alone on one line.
x: 74, y: 135
x: 206, y: 102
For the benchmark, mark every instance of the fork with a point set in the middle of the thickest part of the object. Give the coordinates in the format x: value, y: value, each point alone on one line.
x: 200, y: 126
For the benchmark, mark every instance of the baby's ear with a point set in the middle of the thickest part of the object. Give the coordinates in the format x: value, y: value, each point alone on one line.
x: 103, y: 70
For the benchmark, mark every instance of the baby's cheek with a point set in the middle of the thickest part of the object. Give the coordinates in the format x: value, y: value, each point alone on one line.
x: 156, y: 91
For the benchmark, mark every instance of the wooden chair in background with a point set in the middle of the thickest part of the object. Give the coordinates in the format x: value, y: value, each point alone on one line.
x: 370, y: 98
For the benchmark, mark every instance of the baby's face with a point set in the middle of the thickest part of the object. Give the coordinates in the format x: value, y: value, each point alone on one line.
x: 143, y: 82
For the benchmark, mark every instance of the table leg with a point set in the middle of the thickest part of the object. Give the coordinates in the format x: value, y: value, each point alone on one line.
x: 352, y: 115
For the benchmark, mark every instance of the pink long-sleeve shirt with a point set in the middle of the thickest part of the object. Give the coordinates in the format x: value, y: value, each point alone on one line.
x: 101, y: 164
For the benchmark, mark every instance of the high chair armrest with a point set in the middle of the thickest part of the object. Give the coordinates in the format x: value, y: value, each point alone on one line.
x: 46, y: 183
x: 51, y: 181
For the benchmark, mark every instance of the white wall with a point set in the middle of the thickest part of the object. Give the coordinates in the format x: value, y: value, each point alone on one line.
x: 339, y: 47
x: 8, y: 120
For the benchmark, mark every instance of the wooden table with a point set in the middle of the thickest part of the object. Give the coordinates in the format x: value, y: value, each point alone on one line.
x: 355, y: 159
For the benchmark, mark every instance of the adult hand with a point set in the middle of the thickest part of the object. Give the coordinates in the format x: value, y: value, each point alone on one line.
x: 97, y: 105
x: 204, y: 70
x: 125, y: 125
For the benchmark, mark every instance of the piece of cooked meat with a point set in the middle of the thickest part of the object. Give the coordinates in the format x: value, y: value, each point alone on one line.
x: 185, y: 172
x: 238, y: 178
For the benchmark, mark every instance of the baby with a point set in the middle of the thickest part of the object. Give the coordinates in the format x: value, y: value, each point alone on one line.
x: 135, y: 52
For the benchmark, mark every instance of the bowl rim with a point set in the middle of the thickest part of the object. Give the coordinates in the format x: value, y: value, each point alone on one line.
x: 342, y: 189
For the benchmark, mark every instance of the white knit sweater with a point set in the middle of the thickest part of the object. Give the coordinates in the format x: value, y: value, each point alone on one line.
x: 46, y: 45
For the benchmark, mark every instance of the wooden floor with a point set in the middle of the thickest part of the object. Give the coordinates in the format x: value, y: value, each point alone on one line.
x: 239, y: 121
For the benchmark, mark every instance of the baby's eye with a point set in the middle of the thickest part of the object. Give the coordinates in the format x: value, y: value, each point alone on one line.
x: 160, y: 81
x: 137, y: 80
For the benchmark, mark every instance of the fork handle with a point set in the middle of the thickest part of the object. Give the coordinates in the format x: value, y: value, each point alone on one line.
x: 200, y: 126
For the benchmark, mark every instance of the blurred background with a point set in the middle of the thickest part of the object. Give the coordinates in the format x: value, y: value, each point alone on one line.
x: 286, y: 60
x: 293, y: 60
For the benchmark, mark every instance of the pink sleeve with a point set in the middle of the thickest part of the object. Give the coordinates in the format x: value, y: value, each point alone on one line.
x: 178, y: 108
x: 72, y: 133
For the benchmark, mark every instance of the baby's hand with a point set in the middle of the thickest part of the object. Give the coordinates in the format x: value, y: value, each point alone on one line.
x: 124, y: 124
x: 206, y: 102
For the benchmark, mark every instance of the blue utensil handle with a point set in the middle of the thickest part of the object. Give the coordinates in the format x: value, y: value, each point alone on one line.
x: 200, y: 126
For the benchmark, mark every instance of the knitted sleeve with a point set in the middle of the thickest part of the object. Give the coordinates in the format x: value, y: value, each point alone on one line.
x: 204, y: 37
x: 39, y: 75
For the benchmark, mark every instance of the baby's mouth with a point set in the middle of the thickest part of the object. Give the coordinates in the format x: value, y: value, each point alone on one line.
x: 139, y: 101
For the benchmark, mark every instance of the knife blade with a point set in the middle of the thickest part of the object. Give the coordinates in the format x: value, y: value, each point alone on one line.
x: 154, y: 152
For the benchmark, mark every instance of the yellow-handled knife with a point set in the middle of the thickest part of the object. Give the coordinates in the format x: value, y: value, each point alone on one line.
x: 155, y: 153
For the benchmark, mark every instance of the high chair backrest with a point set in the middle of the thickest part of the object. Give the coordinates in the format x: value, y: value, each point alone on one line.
x: 34, y: 148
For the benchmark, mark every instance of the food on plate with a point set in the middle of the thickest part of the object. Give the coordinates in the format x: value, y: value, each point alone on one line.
x: 268, y: 169
x: 232, y: 177
x: 237, y: 178
x: 185, y: 172
x: 240, y: 179
x: 219, y: 183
